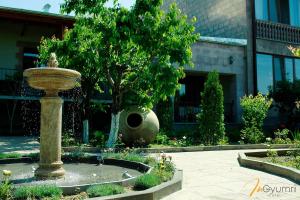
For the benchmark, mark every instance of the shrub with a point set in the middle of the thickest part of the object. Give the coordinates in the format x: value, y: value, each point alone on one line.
x: 105, y: 190
x: 5, y: 189
x: 10, y: 155
x: 281, y: 136
x: 147, y: 181
x: 68, y: 139
x: 296, y: 136
x: 211, y: 118
x: 37, y: 192
x: 255, y: 109
x: 272, y: 154
x: 98, y: 139
x: 164, y: 111
x: 161, y: 138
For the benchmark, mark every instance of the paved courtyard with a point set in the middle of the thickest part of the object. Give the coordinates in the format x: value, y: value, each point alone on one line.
x: 217, y: 175
x: 19, y: 145
x: 207, y: 175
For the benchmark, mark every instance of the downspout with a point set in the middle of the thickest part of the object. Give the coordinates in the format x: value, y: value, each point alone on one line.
x: 254, y: 35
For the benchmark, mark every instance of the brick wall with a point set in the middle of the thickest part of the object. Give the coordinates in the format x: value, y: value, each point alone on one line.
x: 216, y: 18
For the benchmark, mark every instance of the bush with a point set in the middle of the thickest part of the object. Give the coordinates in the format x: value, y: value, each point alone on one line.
x: 161, y: 138
x: 147, y: 181
x: 255, y: 109
x: 98, y: 139
x: 5, y: 190
x: 10, y: 155
x: 164, y: 111
x: 105, y: 190
x: 281, y: 136
x: 37, y: 192
x: 68, y: 139
x: 212, y: 116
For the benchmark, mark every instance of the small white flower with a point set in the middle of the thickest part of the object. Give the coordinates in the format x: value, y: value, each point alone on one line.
x: 184, y: 137
x: 94, y: 175
x: 6, y: 172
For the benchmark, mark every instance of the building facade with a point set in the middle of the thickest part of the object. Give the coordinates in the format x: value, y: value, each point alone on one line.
x: 246, y: 41
x: 269, y: 28
x: 20, y: 35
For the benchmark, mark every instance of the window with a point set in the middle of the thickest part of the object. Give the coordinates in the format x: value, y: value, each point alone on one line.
x: 279, y: 67
x: 30, y: 57
x: 297, y: 69
x: 264, y: 72
x: 187, y: 99
x: 261, y: 9
x: 295, y: 12
x: 282, y: 11
x: 289, y: 72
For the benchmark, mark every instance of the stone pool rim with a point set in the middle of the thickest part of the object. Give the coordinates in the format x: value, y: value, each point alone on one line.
x: 289, y: 173
x: 71, y: 190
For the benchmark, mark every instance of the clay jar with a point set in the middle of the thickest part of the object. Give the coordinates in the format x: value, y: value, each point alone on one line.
x: 138, y: 126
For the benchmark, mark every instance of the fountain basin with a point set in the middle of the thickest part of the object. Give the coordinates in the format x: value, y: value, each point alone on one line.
x: 81, y: 173
x: 52, y: 80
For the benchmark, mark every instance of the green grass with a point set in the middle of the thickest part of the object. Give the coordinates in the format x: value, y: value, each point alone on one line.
x: 147, y: 181
x: 105, y: 190
x: 10, y: 155
x: 37, y: 192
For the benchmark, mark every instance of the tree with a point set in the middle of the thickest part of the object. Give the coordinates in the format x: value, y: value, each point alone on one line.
x: 139, y: 52
x: 211, y: 117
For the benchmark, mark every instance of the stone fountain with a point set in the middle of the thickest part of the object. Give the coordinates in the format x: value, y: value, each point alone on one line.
x: 52, y: 80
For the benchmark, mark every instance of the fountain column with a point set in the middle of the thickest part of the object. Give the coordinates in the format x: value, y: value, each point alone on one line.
x: 50, y: 165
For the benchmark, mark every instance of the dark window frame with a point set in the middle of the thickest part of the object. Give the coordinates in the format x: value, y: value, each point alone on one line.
x: 281, y: 57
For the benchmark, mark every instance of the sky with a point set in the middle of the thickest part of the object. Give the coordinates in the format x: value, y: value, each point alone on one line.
x: 39, y: 4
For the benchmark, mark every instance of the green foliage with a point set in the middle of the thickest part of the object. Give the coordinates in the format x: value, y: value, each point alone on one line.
x: 255, y: 109
x: 68, y: 139
x: 211, y: 118
x: 37, y: 192
x: 10, y: 155
x: 161, y: 138
x: 147, y: 181
x: 181, y: 142
x: 272, y: 154
x: 126, y: 154
x: 224, y: 141
x: 281, y: 136
x: 164, y: 112
x: 296, y: 135
x: 5, y: 189
x: 98, y: 139
x: 233, y: 134
x: 252, y: 135
x: 104, y: 190
x: 134, y: 51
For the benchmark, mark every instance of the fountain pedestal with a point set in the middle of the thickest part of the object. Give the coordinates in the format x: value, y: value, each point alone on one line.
x: 52, y: 81
x: 50, y: 165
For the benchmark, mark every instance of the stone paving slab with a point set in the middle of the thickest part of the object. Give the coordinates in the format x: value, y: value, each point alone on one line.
x: 218, y: 176
x: 19, y: 145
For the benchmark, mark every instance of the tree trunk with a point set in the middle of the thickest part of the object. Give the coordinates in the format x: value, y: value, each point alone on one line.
x: 114, y: 129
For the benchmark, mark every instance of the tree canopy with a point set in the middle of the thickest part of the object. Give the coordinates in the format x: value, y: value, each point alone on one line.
x: 139, y: 52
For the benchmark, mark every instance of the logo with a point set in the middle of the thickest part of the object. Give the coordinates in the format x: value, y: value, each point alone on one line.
x: 268, y: 189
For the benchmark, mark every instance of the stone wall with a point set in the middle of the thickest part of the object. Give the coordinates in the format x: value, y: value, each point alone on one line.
x: 16, y: 35
x: 216, y: 18
x: 209, y: 56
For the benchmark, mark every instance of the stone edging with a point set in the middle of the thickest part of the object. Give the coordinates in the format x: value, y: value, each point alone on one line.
x: 189, y: 149
x: 286, y: 172
x: 157, y: 192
